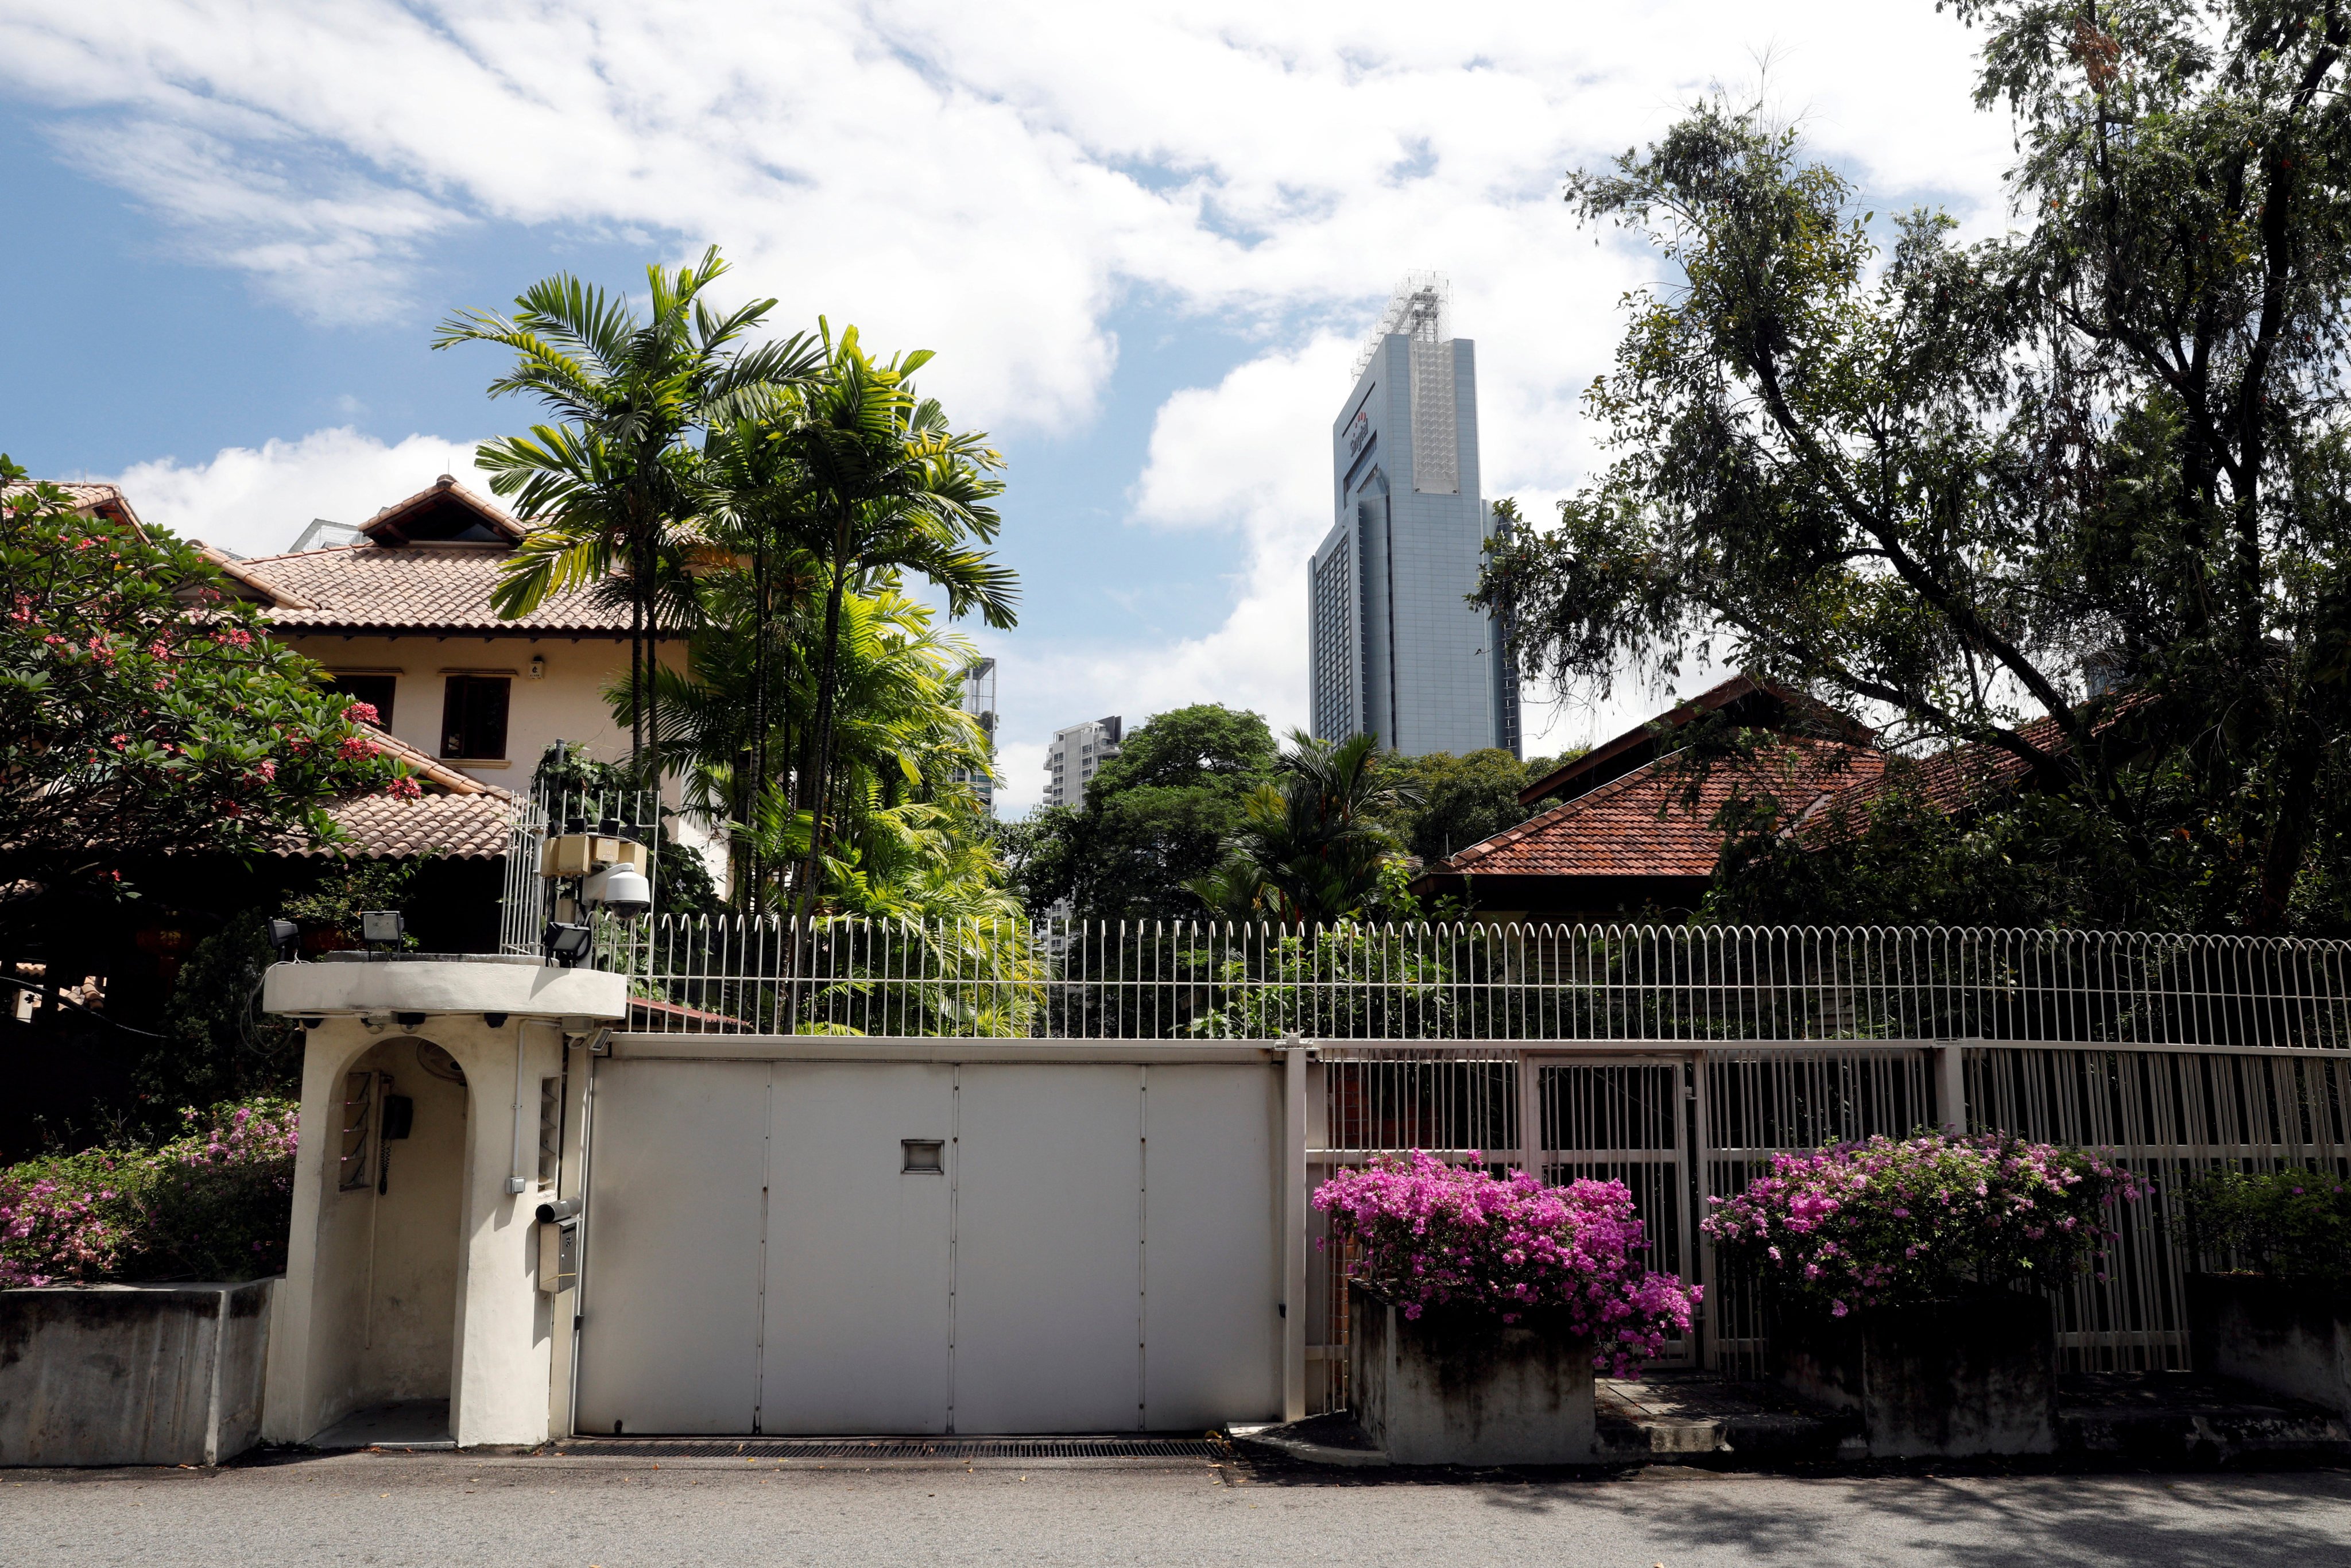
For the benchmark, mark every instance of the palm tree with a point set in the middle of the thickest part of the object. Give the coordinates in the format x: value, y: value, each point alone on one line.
x: 889, y: 487
x: 1310, y: 848
x: 613, y: 480
x: 900, y: 738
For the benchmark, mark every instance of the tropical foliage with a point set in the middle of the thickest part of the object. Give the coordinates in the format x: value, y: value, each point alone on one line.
x: 141, y: 711
x: 2094, y: 469
x: 1445, y: 803
x: 763, y: 503
x: 2294, y: 1223
x: 213, y: 1203
x: 1155, y: 820
x: 1310, y: 849
x: 611, y: 484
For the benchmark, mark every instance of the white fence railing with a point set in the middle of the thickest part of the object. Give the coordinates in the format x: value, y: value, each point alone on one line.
x: 1469, y: 981
x: 1681, y: 1125
x: 1678, y: 1059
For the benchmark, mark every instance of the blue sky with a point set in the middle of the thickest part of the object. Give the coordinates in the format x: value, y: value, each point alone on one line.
x: 1143, y: 240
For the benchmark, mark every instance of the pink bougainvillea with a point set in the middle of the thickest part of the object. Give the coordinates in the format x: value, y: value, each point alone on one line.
x: 1435, y: 1235
x: 213, y: 1203
x: 1921, y: 1218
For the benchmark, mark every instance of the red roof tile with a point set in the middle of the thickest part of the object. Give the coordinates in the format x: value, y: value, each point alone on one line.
x: 89, y: 496
x: 413, y: 588
x: 378, y: 827
x: 433, y: 773
x: 1646, y: 824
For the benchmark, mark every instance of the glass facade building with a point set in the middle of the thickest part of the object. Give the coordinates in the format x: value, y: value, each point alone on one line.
x: 1396, y: 647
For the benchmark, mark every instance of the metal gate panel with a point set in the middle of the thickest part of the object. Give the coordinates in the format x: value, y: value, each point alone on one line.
x: 1211, y: 1246
x: 1627, y: 1119
x: 670, y: 1336
x: 858, y: 1263
x: 1048, y: 1302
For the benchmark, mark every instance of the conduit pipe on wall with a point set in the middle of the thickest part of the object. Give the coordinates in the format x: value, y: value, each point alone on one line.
x: 514, y: 1183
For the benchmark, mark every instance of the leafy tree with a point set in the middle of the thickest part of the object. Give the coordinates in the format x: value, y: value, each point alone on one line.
x: 907, y: 837
x: 1308, y: 850
x: 1155, y: 818
x: 143, y: 711
x: 2094, y: 470
x: 1455, y: 800
x: 613, y: 481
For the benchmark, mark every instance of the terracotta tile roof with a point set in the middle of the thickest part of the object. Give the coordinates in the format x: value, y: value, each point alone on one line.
x: 456, y: 815
x: 391, y: 524
x: 431, y: 771
x: 1642, y: 824
x: 1761, y: 703
x: 412, y: 588
x: 89, y: 496
x: 378, y: 827
x: 1953, y: 779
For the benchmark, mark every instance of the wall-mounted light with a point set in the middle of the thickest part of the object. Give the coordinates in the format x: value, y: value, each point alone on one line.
x: 538, y: 667
x: 565, y: 945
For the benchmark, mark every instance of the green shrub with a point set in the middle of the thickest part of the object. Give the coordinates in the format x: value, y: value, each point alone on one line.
x: 2294, y: 1223
x: 212, y: 1204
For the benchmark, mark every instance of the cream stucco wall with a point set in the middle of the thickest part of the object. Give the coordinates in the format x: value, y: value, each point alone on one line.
x: 565, y: 703
x: 447, y: 1274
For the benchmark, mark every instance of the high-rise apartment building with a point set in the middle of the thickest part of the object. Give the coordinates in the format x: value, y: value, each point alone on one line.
x: 1076, y: 754
x: 1396, y: 647
x: 979, y: 701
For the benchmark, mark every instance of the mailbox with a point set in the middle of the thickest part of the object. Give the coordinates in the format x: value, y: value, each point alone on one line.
x: 558, y: 1247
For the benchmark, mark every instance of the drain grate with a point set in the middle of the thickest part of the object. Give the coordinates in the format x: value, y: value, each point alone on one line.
x: 898, y: 1448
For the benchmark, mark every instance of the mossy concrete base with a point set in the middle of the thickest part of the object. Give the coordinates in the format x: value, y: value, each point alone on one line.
x: 1439, y: 1391
x: 1975, y: 1375
x: 2289, y: 1338
x: 133, y: 1375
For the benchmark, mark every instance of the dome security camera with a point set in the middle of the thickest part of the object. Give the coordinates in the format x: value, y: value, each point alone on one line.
x: 623, y: 889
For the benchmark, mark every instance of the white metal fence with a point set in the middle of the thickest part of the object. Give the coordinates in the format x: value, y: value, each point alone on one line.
x: 530, y: 899
x: 1468, y: 981
x: 1678, y: 1059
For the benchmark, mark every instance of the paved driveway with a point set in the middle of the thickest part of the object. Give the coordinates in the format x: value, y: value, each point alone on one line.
x: 449, y: 1510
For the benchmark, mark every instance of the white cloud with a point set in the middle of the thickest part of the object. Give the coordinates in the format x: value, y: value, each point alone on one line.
x: 992, y: 181
x: 258, y: 502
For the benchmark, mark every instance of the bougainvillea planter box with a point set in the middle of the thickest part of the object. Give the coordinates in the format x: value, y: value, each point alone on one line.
x: 1977, y: 1374
x: 1445, y: 1390
x: 2290, y: 1338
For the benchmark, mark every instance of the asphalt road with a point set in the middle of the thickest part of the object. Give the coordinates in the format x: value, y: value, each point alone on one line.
x: 449, y: 1510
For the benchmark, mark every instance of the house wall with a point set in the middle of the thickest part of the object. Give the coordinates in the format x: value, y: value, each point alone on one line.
x: 566, y: 703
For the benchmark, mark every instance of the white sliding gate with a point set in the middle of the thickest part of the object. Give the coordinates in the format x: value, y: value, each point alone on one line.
x: 938, y: 1236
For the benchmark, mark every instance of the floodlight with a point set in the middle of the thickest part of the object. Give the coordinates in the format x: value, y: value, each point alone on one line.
x: 285, y: 939
x: 565, y: 945
x: 382, y: 927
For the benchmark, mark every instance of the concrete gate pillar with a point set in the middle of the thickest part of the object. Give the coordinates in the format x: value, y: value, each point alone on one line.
x: 411, y: 1268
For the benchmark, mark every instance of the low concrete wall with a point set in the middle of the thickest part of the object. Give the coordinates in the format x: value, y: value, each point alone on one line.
x: 1976, y: 1375
x: 2290, y: 1339
x: 133, y: 1375
x: 1451, y: 1392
